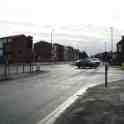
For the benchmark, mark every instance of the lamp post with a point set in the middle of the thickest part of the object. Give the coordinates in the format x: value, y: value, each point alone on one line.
x: 105, y: 46
x: 111, y: 31
x: 52, y: 40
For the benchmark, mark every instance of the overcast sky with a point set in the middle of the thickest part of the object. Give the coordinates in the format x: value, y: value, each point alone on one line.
x: 84, y: 24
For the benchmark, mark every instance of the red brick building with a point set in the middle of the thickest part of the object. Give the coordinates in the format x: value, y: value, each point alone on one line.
x: 69, y: 53
x: 19, y: 48
x: 42, y: 51
x: 58, y: 52
x: 76, y: 54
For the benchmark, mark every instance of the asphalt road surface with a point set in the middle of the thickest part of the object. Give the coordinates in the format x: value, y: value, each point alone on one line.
x: 28, y: 100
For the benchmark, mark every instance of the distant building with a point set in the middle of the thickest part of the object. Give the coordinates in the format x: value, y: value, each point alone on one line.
x: 58, y: 52
x: 16, y: 49
x: 66, y: 53
x: 42, y: 51
x: 71, y: 54
x: 76, y: 54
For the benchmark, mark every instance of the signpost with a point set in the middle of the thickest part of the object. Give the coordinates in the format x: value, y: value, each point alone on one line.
x: 106, y: 74
x: 106, y: 68
x: 106, y: 65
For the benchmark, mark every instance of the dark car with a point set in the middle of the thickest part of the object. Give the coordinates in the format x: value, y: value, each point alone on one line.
x: 88, y: 62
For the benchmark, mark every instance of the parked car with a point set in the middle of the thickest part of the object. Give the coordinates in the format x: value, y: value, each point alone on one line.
x: 88, y: 62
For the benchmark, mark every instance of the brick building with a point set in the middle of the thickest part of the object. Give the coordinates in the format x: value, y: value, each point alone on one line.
x: 66, y: 54
x: 58, y: 52
x: 42, y: 51
x: 17, y: 48
x: 76, y: 53
x: 70, y: 53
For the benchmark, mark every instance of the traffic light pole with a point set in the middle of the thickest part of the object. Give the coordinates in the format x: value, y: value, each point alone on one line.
x: 111, y: 28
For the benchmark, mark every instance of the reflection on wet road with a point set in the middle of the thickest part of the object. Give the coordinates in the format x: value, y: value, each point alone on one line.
x: 26, y: 101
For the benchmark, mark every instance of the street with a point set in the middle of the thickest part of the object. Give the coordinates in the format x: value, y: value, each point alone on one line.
x: 29, y: 100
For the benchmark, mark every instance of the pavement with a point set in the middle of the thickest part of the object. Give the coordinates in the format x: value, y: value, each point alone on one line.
x: 15, y: 71
x: 20, y: 75
x: 31, y: 99
x: 99, y: 105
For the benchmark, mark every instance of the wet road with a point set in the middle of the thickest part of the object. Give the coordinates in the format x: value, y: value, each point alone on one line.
x: 28, y: 100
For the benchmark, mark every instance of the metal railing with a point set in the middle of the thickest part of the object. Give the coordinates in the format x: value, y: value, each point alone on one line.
x: 8, y: 70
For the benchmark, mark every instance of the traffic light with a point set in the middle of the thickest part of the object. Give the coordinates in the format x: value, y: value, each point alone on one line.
x: 106, y: 56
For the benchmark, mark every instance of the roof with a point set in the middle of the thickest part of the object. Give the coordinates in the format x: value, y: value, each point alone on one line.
x: 12, y: 36
x: 42, y: 42
x: 56, y: 44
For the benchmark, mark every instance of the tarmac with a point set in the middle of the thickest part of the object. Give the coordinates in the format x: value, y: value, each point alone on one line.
x: 98, y: 105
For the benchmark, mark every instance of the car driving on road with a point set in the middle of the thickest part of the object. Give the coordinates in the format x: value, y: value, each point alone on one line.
x: 87, y: 62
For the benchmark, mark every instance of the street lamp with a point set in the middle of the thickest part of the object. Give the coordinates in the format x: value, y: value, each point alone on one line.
x: 105, y: 46
x: 111, y: 31
x: 52, y: 39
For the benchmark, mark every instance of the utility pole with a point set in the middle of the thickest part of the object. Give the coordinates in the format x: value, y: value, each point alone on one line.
x: 111, y: 31
x: 52, y: 40
x: 105, y: 46
x: 52, y: 45
x: 51, y: 37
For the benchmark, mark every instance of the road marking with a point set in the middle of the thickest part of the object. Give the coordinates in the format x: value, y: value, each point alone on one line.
x: 50, y: 119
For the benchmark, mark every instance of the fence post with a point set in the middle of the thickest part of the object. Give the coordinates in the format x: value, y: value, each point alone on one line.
x: 23, y: 68
x: 16, y: 68
x: 9, y: 71
x: 30, y: 68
